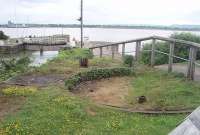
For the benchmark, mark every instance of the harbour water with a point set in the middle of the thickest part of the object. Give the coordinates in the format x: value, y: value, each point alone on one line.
x: 94, y: 34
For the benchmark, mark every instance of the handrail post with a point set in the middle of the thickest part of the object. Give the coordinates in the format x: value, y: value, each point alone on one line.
x: 92, y: 51
x: 123, y: 49
x: 101, y: 52
x: 138, y: 47
x: 171, y: 56
x: 113, y: 52
x: 191, y: 64
x: 117, y: 48
x: 153, y: 53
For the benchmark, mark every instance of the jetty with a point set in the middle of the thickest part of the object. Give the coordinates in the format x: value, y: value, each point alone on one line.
x: 45, y: 43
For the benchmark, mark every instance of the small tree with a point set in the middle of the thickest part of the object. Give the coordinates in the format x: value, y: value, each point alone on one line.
x: 3, y: 36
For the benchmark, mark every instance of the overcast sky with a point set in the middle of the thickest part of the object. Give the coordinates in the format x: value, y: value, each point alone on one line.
x: 160, y: 12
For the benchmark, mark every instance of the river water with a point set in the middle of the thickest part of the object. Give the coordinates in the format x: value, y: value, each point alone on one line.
x: 94, y: 34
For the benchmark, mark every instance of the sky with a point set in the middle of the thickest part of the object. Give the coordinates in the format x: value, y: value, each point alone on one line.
x: 154, y: 12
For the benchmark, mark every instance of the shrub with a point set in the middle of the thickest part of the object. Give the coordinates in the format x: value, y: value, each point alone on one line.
x: 96, y: 74
x: 11, y: 67
x: 19, y: 91
x: 75, y: 53
x: 180, y: 50
x: 128, y: 60
x: 3, y: 36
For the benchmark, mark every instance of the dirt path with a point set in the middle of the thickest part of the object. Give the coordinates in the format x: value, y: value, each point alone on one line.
x: 182, y: 68
x: 38, y: 80
x: 111, y: 91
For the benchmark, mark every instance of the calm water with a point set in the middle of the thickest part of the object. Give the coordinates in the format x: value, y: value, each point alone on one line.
x: 94, y: 34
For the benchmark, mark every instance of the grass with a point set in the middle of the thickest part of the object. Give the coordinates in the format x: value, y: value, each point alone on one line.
x: 53, y: 111
x: 165, y: 91
x: 19, y: 91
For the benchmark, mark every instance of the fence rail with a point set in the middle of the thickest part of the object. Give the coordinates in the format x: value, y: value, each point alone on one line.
x: 173, y: 42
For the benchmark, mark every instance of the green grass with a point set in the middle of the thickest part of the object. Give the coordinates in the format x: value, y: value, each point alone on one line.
x: 165, y: 91
x: 19, y: 91
x: 53, y: 111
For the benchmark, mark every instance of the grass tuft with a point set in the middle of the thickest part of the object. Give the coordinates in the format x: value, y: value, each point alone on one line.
x: 19, y: 91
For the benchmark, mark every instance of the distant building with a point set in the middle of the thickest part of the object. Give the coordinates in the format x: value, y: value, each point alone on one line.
x: 11, y: 24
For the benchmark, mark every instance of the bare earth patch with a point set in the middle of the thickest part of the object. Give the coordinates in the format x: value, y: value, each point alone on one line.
x: 38, y: 80
x: 111, y: 91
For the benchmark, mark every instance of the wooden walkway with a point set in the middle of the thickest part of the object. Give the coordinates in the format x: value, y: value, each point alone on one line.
x: 191, y: 125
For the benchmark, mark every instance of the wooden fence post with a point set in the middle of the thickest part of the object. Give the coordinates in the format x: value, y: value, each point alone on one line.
x: 117, y: 48
x: 171, y: 56
x: 153, y: 53
x: 137, y: 52
x: 101, y: 52
x: 92, y: 51
x: 123, y: 49
x: 113, y: 52
x: 191, y: 64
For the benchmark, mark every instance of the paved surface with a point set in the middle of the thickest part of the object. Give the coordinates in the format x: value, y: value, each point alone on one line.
x: 181, y: 68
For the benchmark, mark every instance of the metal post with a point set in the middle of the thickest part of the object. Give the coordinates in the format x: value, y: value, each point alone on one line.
x: 191, y: 64
x: 171, y: 54
x: 81, y: 19
x: 153, y: 53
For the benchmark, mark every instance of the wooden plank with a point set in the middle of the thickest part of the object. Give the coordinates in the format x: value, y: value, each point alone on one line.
x: 195, y: 118
x: 123, y: 50
x: 191, y: 63
x: 153, y: 53
x: 101, y: 52
x: 186, y: 128
x: 171, y: 54
x: 191, y: 125
x: 138, y: 47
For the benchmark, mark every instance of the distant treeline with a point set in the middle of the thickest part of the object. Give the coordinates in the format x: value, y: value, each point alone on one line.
x: 159, y: 27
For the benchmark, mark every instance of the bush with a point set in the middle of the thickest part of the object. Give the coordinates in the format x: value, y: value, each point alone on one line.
x: 180, y: 50
x: 11, y: 67
x: 96, y: 74
x: 128, y: 60
x: 3, y: 36
x: 19, y: 91
x: 76, y: 53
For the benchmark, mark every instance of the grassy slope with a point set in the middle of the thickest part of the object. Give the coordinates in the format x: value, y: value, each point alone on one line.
x: 54, y: 111
x: 165, y: 91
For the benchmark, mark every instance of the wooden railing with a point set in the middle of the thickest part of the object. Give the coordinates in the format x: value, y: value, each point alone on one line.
x: 192, y: 52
